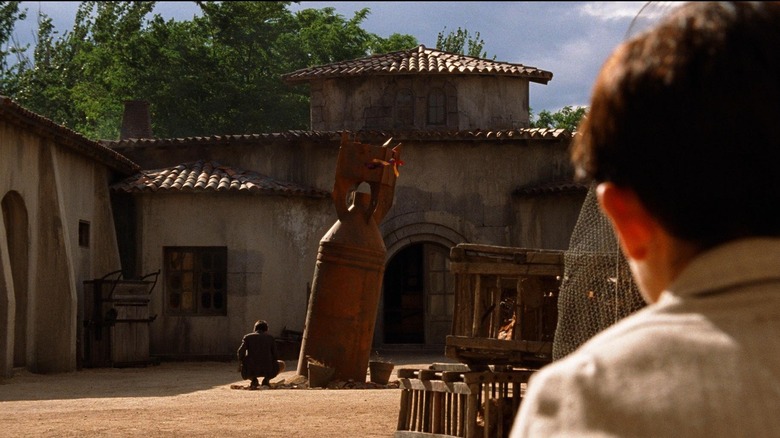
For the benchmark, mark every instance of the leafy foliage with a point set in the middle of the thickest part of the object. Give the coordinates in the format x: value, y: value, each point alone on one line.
x: 9, y: 15
x: 216, y: 73
x: 393, y: 43
x: 460, y: 41
x: 566, y: 118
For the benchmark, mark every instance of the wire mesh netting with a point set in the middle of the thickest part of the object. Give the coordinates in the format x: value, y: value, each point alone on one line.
x: 597, y: 289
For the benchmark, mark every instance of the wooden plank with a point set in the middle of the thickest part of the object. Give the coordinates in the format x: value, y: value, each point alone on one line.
x: 416, y: 424
x: 462, y: 402
x: 495, y: 317
x: 450, y: 409
x: 404, y: 410
x: 468, y: 248
x: 447, y: 366
x: 475, y: 317
x: 497, y: 344
x: 517, y: 329
x: 502, y: 377
x: 408, y: 373
x: 506, y: 269
x: 426, y: 413
x: 487, y: 408
x: 433, y: 386
x: 484, y: 352
x: 437, y: 411
x: 471, y: 412
x: 514, y: 359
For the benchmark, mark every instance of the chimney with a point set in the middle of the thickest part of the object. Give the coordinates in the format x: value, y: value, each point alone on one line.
x: 136, y: 121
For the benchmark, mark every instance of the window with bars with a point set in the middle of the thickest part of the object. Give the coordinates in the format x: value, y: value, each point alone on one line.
x: 195, y: 280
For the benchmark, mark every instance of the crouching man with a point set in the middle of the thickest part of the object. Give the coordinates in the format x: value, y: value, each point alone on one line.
x: 258, y: 356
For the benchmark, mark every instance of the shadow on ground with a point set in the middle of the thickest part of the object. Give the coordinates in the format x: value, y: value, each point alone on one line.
x: 163, y: 380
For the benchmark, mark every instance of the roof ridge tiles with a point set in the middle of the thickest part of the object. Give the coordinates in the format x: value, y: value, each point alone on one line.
x: 206, y: 175
x: 418, y: 60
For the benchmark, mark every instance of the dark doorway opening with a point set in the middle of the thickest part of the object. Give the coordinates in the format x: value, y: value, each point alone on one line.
x: 404, y: 313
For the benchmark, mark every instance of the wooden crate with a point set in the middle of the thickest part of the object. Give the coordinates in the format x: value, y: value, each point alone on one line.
x: 461, y: 403
x: 505, y: 305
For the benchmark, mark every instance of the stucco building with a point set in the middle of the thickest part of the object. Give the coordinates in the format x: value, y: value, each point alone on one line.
x: 234, y: 221
x: 57, y: 231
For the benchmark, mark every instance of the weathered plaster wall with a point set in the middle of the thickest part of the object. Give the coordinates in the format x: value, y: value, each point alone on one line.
x: 272, y: 244
x: 301, y: 160
x: 7, y: 308
x: 496, y: 102
x: 85, y: 197
x: 471, y: 180
x: 57, y: 187
x: 473, y: 102
x: 465, y: 187
x: 449, y: 191
x: 546, y: 221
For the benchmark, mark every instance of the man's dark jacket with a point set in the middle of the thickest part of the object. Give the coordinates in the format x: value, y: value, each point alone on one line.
x: 258, y: 356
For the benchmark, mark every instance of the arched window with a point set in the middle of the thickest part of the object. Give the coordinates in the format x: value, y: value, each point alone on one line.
x: 404, y: 108
x: 437, y: 114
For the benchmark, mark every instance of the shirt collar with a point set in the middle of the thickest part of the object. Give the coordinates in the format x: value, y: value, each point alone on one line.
x: 729, y: 265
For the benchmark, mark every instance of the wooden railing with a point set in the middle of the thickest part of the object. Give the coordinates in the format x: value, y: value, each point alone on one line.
x: 464, y: 403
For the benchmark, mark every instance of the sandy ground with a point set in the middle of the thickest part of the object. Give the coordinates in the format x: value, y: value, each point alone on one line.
x: 195, y: 399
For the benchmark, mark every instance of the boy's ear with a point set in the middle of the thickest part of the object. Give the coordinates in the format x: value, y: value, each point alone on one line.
x: 632, y: 223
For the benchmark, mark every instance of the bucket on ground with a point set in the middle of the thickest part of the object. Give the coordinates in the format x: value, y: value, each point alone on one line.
x: 380, y: 371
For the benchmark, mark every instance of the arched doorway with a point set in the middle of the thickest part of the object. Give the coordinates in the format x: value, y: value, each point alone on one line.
x: 16, y: 233
x: 418, y: 293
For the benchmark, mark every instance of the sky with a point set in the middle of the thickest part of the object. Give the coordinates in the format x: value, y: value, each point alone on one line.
x: 570, y: 39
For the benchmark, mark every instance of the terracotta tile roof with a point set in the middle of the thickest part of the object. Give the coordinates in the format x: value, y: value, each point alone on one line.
x: 20, y: 116
x: 551, y: 187
x: 363, y: 135
x: 210, y: 176
x: 419, y: 60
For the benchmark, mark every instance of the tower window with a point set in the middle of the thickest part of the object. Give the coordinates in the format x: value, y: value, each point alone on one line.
x: 436, y: 107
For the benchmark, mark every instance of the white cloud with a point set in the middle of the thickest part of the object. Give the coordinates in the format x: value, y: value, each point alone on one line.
x: 645, y: 11
x: 611, y: 10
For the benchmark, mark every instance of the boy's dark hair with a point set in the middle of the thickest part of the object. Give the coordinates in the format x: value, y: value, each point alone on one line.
x: 261, y: 326
x: 686, y: 116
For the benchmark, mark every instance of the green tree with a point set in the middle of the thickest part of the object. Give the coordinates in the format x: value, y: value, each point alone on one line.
x: 219, y: 73
x: 9, y: 15
x: 105, y: 40
x: 460, y: 41
x: 566, y: 118
x: 45, y: 83
x: 321, y: 36
x: 187, y: 88
x: 393, y: 43
x: 81, y: 78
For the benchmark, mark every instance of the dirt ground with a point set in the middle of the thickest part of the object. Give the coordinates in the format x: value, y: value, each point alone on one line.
x: 195, y: 399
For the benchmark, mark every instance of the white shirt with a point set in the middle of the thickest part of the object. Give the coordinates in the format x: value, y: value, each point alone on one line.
x: 704, y: 361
